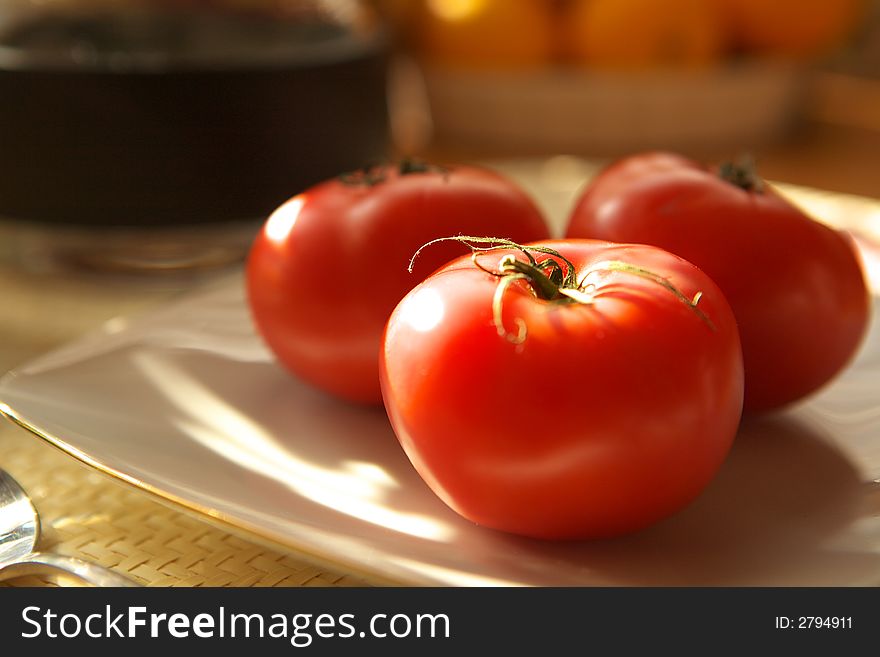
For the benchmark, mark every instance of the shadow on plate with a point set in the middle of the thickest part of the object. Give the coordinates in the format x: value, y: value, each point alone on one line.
x: 765, y: 520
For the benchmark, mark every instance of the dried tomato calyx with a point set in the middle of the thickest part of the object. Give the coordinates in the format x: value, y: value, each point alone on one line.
x: 373, y: 174
x: 742, y: 173
x: 409, y: 165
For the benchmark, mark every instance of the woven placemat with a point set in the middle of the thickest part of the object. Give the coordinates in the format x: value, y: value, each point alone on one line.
x: 90, y: 516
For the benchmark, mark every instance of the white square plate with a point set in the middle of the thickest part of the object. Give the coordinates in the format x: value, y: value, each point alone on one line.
x: 187, y: 403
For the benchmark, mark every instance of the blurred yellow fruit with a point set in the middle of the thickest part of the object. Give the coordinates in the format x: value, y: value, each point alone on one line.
x: 399, y: 12
x: 645, y: 34
x: 799, y: 28
x: 483, y: 34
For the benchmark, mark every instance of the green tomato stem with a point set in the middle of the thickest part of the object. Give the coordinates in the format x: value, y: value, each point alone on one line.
x: 553, y: 279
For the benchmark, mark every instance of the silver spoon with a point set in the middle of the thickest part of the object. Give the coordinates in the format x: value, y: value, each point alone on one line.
x: 19, y: 531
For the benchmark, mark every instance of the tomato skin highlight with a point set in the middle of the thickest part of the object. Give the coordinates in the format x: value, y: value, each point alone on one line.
x: 796, y: 285
x: 328, y: 267
x: 605, y: 419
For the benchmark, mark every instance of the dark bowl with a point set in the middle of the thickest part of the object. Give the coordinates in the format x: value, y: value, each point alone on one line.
x: 145, y: 119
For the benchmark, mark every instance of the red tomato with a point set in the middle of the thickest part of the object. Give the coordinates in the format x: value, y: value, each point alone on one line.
x: 536, y: 414
x: 330, y: 265
x: 795, y: 285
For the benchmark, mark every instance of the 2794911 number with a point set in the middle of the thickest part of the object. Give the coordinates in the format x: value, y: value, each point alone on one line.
x: 814, y: 622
